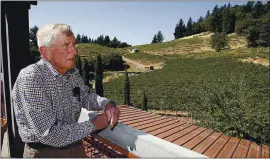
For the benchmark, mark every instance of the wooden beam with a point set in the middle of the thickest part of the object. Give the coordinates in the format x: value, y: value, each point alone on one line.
x: 16, y: 55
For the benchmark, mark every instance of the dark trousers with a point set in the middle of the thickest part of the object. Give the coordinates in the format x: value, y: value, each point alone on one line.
x: 76, y: 151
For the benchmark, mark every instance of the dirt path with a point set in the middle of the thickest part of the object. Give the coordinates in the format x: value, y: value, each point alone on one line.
x: 136, y: 64
x: 257, y: 60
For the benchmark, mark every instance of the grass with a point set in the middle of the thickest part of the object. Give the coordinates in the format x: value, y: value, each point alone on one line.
x: 145, y: 58
x: 95, y: 49
x: 220, y: 91
x: 239, y: 53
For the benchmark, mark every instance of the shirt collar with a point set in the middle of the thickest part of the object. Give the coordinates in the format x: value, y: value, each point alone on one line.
x: 55, y: 73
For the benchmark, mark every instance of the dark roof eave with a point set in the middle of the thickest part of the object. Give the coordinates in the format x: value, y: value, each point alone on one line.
x: 32, y: 3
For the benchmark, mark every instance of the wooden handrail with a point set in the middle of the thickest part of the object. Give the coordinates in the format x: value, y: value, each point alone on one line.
x: 108, y: 143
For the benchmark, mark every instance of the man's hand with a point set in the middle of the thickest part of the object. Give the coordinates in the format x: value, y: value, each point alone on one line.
x: 113, y: 114
x: 100, y: 121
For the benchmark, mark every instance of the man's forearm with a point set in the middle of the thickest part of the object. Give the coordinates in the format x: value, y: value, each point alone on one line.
x: 63, y: 135
x: 95, y: 102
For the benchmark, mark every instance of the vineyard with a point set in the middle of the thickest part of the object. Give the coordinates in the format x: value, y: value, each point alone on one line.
x: 145, y: 58
x: 95, y: 49
x: 217, y: 89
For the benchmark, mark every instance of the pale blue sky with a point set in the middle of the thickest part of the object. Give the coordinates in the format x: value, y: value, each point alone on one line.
x: 132, y: 22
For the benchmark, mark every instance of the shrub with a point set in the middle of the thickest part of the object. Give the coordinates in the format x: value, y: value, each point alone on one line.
x: 110, y: 61
x: 35, y: 54
x: 219, y: 41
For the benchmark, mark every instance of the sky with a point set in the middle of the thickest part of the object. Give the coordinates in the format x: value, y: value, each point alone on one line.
x: 133, y: 22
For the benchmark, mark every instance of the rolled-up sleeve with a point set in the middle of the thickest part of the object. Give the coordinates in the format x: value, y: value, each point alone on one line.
x: 30, y: 97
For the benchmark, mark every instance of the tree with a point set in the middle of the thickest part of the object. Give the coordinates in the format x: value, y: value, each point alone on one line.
x: 127, y: 89
x: 124, y: 44
x: 219, y: 41
x: 252, y: 37
x: 35, y: 54
x: 154, y: 39
x: 258, y: 9
x: 189, y: 27
x: 201, y: 24
x: 144, y: 102
x: 89, y: 40
x: 264, y: 35
x: 84, y: 39
x: 207, y: 14
x: 180, y: 29
x: 85, y: 72
x: 160, y: 37
x: 78, y: 38
x: 228, y: 20
x: 100, y: 40
x: 196, y: 28
x: 242, y: 26
x: 34, y: 50
x: 78, y: 63
x: 216, y: 21
x: 107, y: 40
x: 99, y: 76
x: 33, y: 36
x: 248, y: 7
x: 115, y: 43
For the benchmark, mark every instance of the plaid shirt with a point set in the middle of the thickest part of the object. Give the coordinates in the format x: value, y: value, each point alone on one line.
x: 45, y: 108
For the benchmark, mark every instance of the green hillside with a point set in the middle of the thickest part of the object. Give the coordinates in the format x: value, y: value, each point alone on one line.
x: 151, y: 53
x: 217, y: 89
x: 91, y: 49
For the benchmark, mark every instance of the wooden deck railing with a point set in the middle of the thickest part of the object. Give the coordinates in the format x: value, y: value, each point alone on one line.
x: 99, y: 147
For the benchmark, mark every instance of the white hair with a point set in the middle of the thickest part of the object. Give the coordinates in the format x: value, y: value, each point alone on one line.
x: 46, y: 36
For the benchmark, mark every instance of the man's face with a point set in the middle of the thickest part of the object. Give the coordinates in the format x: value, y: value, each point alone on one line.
x: 62, y: 53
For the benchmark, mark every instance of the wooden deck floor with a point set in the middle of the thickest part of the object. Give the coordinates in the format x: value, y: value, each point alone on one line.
x: 202, y: 140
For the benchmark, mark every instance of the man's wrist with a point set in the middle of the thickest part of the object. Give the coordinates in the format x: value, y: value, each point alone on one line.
x: 110, y: 104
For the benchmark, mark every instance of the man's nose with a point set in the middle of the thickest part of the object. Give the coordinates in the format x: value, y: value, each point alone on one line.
x: 73, y: 50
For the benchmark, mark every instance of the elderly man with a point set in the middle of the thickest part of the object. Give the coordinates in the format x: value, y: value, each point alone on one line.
x: 48, y: 97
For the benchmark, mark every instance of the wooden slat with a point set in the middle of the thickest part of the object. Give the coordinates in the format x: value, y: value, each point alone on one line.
x: 214, y: 150
x: 265, y: 151
x: 242, y: 149
x: 138, y: 118
x: 146, y: 122
x: 133, y: 116
x: 152, y: 128
x: 181, y: 133
x: 189, y: 136
x: 142, y: 119
x: 150, y: 124
x: 229, y: 148
x: 132, y: 112
x: 123, y: 114
x: 126, y: 111
x: 254, y: 151
x: 172, y: 131
x: 203, y: 146
x: 166, y: 128
x: 128, y: 108
x: 198, y: 139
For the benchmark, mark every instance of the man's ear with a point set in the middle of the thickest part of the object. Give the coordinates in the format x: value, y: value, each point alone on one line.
x: 44, y: 52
